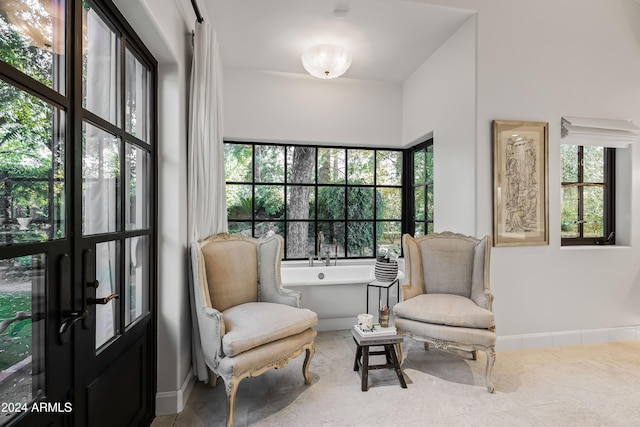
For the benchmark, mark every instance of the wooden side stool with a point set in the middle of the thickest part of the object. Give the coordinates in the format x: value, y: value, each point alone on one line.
x: 388, y: 342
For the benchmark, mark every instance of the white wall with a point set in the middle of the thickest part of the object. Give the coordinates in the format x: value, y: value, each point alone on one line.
x: 439, y: 99
x: 269, y: 106
x: 539, y: 61
x: 165, y: 28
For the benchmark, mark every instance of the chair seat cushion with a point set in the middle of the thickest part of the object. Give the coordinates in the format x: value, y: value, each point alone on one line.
x: 253, y: 324
x: 442, y: 309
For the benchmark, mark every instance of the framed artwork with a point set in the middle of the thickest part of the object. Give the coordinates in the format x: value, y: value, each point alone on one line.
x: 520, y: 183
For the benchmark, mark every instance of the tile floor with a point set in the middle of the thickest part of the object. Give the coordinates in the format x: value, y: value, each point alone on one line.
x: 588, y: 385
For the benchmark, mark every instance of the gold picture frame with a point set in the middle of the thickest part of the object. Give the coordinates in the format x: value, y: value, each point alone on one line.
x: 520, y: 183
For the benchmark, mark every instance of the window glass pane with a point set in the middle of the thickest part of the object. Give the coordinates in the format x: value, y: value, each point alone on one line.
x: 430, y: 228
x: 269, y: 166
x: 107, y: 262
x: 332, y: 230
x: 22, y: 338
x: 137, y: 98
x: 32, y: 34
x: 360, y: 239
x: 569, y: 162
x: 301, y: 165
x: 262, y: 228
x: 100, y: 181
x: 419, y: 203
x: 419, y: 229
x: 593, y: 206
x: 430, y: 202
x: 389, y: 236
x: 331, y: 164
x: 418, y: 166
x: 360, y: 203
x: 360, y: 167
x: 301, y: 202
x: 238, y: 162
x: 239, y: 201
x: 137, y: 169
x: 389, y: 167
x: 32, y: 185
x: 331, y: 203
x: 300, y: 239
x: 569, y: 214
x: 238, y: 227
x: 593, y: 164
x: 137, y: 278
x: 429, y: 164
x: 100, y: 66
x: 389, y: 203
x: 269, y: 201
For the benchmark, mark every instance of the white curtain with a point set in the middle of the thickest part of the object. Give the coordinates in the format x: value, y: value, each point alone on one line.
x: 207, y: 207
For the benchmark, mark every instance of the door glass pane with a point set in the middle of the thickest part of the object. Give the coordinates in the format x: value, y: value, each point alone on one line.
x: 100, y: 66
x: 301, y: 202
x: 331, y: 165
x: 22, y: 304
x: 360, y: 167
x: 31, y: 168
x: 239, y: 201
x: 359, y: 238
x: 389, y: 235
x: 418, y: 167
x: 107, y: 275
x: 33, y: 39
x: 100, y: 181
x: 137, y: 278
x: 269, y: 165
x: 238, y: 162
x: 137, y: 168
x: 389, y: 168
x: 419, y: 203
x: 331, y: 204
x: 359, y: 203
x: 269, y: 201
x: 389, y: 203
x: 301, y: 165
x: 137, y: 98
x: 300, y: 239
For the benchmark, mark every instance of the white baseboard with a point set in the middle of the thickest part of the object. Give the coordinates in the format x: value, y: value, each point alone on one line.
x: 173, y: 402
x: 559, y: 339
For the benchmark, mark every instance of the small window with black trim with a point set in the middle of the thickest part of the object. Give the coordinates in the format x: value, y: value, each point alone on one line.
x: 587, y: 207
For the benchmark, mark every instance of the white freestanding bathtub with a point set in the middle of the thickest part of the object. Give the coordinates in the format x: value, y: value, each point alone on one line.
x: 336, y: 293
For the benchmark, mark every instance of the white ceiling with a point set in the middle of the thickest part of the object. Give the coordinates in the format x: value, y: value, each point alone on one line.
x: 389, y: 39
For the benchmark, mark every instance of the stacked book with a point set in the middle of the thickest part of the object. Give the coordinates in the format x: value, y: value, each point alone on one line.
x: 377, y: 331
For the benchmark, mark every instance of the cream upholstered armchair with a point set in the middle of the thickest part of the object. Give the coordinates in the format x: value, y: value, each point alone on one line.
x: 447, y: 301
x: 248, y: 323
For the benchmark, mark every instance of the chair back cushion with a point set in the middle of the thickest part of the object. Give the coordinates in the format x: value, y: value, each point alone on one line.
x: 232, y: 272
x: 447, y: 265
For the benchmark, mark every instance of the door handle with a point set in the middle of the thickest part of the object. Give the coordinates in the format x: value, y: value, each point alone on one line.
x: 102, y: 301
x: 72, y: 318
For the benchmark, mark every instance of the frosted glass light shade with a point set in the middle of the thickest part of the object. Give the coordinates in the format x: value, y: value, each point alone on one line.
x: 326, y: 61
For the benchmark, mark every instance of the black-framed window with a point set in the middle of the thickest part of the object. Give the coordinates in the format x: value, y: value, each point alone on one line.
x: 420, y: 197
x: 351, y: 199
x: 588, y: 193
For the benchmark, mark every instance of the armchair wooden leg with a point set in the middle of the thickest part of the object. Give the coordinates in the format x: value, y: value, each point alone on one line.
x: 213, y: 378
x: 310, y: 351
x: 491, y: 360
x: 426, y: 346
x: 474, y: 355
x: 232, y: 388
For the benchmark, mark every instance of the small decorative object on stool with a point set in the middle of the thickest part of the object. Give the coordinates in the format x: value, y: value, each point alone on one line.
x: 384, y: 316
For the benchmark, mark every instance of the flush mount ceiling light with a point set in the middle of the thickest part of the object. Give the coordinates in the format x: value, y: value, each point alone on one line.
x: 326, y: 61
